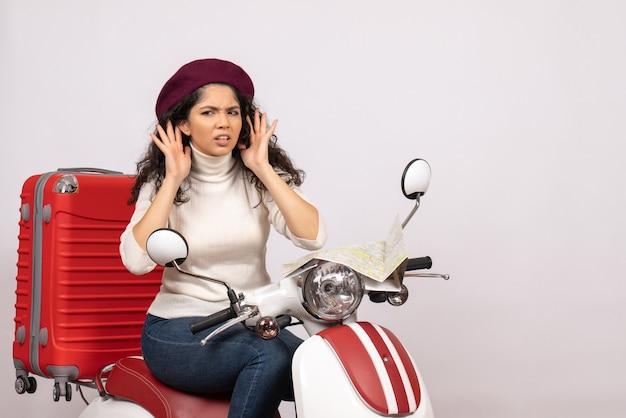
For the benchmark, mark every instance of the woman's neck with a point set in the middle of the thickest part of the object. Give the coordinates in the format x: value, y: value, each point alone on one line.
x: 210, y: 168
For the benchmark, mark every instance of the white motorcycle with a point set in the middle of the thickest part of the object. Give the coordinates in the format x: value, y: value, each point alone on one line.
x: 346, y: 367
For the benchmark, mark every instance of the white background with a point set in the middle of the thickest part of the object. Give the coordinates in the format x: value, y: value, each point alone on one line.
x: 519, y: 106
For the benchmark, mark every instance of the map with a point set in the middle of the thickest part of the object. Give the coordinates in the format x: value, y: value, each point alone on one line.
x: 376, y: 260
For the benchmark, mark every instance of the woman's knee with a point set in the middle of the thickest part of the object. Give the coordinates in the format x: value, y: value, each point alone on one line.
x: 275, y: 350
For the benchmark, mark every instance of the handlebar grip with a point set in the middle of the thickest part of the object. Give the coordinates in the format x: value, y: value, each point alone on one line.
x: 211, y: 320
x: 283, y: 321
x: 419, y: 263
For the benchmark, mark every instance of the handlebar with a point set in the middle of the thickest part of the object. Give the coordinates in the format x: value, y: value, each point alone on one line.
x: 211, y: 320
x: 416, y: 263
x: 419, y: 263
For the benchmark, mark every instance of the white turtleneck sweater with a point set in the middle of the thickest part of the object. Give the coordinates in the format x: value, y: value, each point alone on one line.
x: 226, y: 223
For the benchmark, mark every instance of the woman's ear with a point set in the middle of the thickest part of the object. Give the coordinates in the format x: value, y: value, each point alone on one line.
x: 184, y: 127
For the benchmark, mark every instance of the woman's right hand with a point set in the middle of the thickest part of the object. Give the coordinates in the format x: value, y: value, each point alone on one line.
x: 177, y: 167
x: 177, y: 156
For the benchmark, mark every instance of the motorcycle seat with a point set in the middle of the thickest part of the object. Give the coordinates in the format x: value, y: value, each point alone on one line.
x: 131, y: 380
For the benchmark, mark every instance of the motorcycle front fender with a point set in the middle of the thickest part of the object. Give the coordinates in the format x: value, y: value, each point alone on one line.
x: 349, y: 375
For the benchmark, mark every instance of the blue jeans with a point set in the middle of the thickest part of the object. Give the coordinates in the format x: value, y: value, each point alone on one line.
x: 256, y: 371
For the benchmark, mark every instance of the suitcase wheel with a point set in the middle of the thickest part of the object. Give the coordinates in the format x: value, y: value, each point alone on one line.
x: 24, y: 384
x: 65, y: 390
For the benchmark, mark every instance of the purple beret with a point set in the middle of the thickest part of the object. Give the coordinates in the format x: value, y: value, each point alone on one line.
x: 198, y: 73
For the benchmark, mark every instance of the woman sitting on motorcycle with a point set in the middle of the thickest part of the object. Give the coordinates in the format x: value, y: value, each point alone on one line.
x: 214, y: 173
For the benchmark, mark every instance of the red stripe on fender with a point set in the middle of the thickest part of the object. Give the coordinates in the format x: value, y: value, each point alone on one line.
x: 391, y: 367
x: 358, y: 365
x: 408, y: 365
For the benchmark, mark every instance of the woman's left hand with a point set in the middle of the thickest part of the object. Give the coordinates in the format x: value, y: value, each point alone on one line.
x: 255, y: 157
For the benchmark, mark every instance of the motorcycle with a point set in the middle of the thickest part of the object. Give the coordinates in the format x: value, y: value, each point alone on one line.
x: 345, y: 368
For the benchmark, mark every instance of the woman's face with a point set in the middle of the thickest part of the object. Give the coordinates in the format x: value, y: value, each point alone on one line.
x: 214, y: 123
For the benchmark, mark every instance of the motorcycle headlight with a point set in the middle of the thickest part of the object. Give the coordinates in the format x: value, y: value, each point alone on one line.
x: 331, y: 291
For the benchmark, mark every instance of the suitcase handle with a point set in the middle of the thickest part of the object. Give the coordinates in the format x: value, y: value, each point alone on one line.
x: 89, y: 170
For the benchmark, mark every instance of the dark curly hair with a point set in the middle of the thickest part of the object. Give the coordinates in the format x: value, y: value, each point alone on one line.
x: 151, y: 167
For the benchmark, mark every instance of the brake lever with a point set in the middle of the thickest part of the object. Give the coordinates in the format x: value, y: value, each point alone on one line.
x: 246, y: 313
x: 428, y: 275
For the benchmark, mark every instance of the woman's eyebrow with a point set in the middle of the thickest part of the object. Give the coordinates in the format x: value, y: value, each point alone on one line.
x: 211, y: 107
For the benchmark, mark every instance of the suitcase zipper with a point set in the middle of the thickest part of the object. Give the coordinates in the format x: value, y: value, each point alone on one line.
x: 39, y: 216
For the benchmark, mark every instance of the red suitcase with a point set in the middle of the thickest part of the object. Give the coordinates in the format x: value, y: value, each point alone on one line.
x: 77, y: 307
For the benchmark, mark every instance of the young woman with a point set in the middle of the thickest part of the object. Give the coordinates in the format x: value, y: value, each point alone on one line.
x: 214, y: 173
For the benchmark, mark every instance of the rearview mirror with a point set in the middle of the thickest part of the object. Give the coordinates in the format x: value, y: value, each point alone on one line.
x: 416, y: 178
x: 167, y: 247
